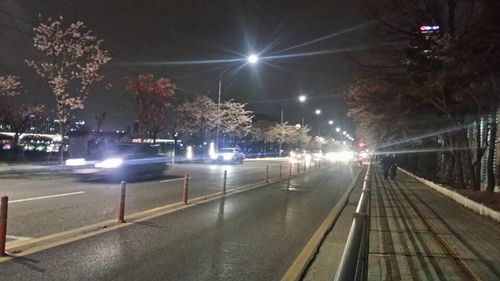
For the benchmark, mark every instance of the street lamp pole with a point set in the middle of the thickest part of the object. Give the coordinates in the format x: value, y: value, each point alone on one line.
x: 252, y: 59
x: 218, y: 109
x: 282, y: 103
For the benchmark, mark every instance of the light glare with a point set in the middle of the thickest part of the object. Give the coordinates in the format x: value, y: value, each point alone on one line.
x: 253, y: 58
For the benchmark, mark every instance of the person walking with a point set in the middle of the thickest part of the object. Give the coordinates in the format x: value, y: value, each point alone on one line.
x: 389, y: 166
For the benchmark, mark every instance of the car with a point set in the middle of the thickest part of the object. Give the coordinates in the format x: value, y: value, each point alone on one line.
x: 299, y: 155
x: 229, y: 155
x: 121, y: 161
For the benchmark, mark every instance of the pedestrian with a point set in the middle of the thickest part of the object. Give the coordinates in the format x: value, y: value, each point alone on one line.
x: 389, y: 166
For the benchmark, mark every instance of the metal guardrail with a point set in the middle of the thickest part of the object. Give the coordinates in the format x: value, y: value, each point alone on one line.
x: 354, y: 262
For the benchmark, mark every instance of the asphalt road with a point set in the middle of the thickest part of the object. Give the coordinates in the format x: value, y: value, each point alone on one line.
x: 42, y: 204
x: 254, y: 235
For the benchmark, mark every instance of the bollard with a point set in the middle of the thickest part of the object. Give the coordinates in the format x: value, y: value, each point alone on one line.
x: 310, y: 166
x: 305, y: 166
x: 266, y: 179
x: 290, y: 170
x: 121, y: 208
x: 224, y: 181
x: 185, y: 189
x: 298, y: 167
x: 280, y: 170
x: 3, y: 224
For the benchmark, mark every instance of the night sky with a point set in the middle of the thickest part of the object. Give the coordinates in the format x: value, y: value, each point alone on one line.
x: 170, y: 38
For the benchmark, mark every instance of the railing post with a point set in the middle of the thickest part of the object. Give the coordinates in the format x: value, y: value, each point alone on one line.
x: 3, y: 224
x: 280, y: 170
x: 185, y: 189
x: 289, y: 170
x: 224, y: 181
x: 298, y: 167
x: 121, y: 208
x: 266, y: 179
x: 305, y: 165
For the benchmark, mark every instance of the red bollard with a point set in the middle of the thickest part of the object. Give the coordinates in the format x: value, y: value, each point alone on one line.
x: 280, y: 170
x: 305, y: 166
x: 266, y: 179
x: 224, y: 181
x: 310, y: 166
x: 121, y: 209
x: 3, y: 224
x: 185, y: 189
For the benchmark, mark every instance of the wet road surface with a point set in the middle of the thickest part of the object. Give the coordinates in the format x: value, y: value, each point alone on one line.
x: 254, y: 235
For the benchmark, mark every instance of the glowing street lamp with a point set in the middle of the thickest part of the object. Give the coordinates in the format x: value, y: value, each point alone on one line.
x: 317, y: 111
x: 337, y: 129
x: 344, y: 133
x: 302, y: 98
x: 330, y: 122
x: 252, y: 59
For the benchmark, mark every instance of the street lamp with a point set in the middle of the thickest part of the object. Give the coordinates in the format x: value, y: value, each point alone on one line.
x: 337, y: 129
x: 344, y: 133
x: 330, y: 122
x: 251, y: 59
x: 317, y: 111
x: 302, y: 99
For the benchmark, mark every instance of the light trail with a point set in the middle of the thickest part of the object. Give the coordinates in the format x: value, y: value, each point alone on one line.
x: 422, y: 150
x: 185, y: 62
x: 315, y: 53
x: 359, y: 26
x: 440, y: 132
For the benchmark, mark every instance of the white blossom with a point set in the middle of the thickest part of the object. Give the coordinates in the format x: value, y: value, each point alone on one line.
x: 72, y: 62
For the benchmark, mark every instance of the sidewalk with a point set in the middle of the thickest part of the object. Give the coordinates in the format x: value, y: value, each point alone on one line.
x: 418, y: 234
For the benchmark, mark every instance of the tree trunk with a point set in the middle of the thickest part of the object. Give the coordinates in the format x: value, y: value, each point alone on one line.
x: 476, y: 165
x: 490, y: 167
x: 61, y: 146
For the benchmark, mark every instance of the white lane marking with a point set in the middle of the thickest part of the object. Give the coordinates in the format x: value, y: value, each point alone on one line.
x: 46, y: 197
x: 175, y: 179
x: 22, y: 238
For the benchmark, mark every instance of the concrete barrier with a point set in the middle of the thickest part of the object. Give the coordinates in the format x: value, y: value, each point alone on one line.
x: 459, y: 198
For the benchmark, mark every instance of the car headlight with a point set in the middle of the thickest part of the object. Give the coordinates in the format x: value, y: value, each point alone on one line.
x: 75, y: 162
x: 109, y: 163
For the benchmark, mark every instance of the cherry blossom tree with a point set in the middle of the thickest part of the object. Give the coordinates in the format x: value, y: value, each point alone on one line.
x: 284, y: 133
x: 153, y: 98
x: 9, y: 86
x: 196, y: 119
x: 236, y: 121
x: 71, y: 62
x: 261, y: 131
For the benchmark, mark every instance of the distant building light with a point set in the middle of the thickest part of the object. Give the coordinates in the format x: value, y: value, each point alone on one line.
x: 429, y: 28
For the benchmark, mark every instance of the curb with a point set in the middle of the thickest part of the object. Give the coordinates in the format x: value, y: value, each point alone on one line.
x: 459, y: 198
